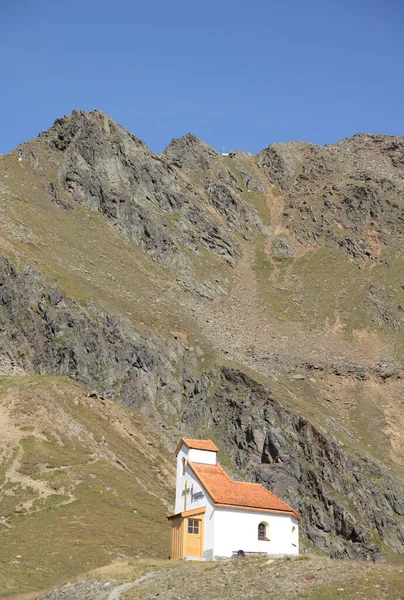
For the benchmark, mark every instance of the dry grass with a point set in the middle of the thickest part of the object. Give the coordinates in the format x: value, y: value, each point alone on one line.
x: 96, y: 509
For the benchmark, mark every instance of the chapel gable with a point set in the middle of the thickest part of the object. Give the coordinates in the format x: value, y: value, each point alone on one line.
x: 196, y: 451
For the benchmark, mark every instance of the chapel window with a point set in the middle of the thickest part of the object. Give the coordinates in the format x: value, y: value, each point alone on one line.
x: 193, y: 526
x: 294, y: 536
x: 184, y: 464
x: 263, y: 531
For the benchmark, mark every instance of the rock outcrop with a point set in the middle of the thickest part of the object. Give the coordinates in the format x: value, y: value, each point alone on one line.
x: 155, y: 204
x: 347, y: 195
x: 48, y: 334
x: 348, y: 501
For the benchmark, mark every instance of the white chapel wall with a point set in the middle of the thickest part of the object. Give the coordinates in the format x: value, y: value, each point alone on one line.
x: 238, y: 530
x: 197, y: 499
x: 295, y: 535
x: 186, y: 453
x: 180, y: 482
x: 202, y: 456
x: 197, y: 456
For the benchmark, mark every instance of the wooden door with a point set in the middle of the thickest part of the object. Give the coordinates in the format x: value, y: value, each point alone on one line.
x: 194, y: 537
x: 177, y: 538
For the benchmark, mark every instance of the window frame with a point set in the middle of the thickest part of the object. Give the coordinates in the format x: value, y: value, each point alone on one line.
x: 295, y: 536
x: 194, y: 526
x: 263, y: 538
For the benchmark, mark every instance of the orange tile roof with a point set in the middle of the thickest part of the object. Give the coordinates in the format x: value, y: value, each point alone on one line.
x: 197, y: 445
x: 226, y: 492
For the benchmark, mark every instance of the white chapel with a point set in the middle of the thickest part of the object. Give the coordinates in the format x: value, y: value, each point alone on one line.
x: 216, y: 517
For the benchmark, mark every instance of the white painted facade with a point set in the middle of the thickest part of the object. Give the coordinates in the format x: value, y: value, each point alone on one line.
x: 236, y: 529
x: 195, y: 486
x: 226, y: 529
x: 204, y: 457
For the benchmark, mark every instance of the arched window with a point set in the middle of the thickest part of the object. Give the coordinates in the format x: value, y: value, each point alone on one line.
x: 184, y: 464
x: 263, y: 531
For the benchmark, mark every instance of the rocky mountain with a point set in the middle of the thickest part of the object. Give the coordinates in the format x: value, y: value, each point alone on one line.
x: 258, y: 300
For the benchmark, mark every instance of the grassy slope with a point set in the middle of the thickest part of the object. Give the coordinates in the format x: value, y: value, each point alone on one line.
x: 253, y: 578
x: 323, y: 289
x: 67, y: 504
x: 326, y: 295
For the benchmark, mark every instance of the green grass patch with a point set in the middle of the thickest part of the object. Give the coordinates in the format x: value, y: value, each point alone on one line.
x: 105, y: 495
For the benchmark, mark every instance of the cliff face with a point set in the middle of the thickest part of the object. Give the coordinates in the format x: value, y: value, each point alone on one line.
x: 258, y: 300
x: 346, y: 195
x: 48, y: 334
x: 156, y: 205
x: 347, y: 499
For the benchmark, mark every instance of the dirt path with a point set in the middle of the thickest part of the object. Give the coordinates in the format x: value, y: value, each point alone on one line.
x: 11, y: 437
x: 117, y: 591
x: 120, y: 589
x: 13, y: 475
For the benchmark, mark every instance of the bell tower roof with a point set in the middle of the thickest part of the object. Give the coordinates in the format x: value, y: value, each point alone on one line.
x: 207, y: 445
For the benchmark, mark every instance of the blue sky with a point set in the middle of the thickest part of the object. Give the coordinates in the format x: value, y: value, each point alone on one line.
x: 238, y: 74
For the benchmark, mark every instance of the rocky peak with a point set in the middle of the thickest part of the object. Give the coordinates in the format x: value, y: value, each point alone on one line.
x: 161, y: 202
x: 190, y: 153
x: 81, y: 122
x: 281, y: 161
x: 222, y: 182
